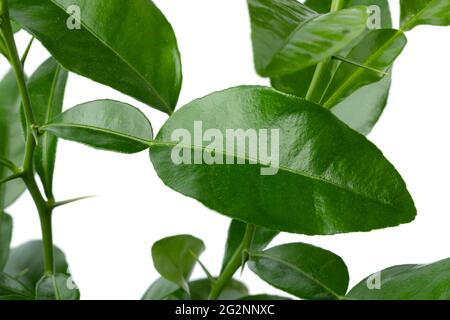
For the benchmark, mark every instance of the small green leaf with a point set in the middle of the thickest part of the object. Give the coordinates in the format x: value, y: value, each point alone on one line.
x: 174, y: 258
x: 10, y: 287
x: 161, y: 289
x: 262, y: 297
x: 378, y: 49
x: 57, y: 287
x: 236, y: 231
x: 26, y: 263
x: 420, y: 12
x: 302, y: 270
x: 47, y: 87
x: 104, y: 124
x: 12, y: 145
x: 322, y: 177
x: 288, y: 36
x: 135, y: 52
x: 6, y: 226
x: 406, y: 282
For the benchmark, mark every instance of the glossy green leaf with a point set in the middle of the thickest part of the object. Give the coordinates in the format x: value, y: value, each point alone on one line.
x: 406, y: 282
x: 175, y: 258
x: 378, y: 49
x: 57, y: 287
x: 236, y: 231
x: 11, y: 289
x: 11, y: 136
x: 262, y: 297
x: 130, y: 46
x: 362, y: 109
x: 6, y: 226
x: 323, y: 179
x: 302, y: 270
x: 104, y: 124
x: 47, y: 87
x: 26, y: 263
x: 288, y: 36
x: 420, y: 12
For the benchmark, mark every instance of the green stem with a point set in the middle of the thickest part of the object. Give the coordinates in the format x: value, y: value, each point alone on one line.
x: 234, y: 264
x: 44, y: 210
x: 314, y: 93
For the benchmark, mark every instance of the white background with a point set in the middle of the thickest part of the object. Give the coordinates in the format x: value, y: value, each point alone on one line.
x: 107, y: 239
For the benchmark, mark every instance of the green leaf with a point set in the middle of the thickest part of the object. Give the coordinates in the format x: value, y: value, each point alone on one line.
x: 130, y: 47
x: 302, y: 270
x: 362, y: 109
x: 161, y: 289
x: 57, y: 287
x: 236, y: 231
x: 174, y: 258
x: 6, y: 226
x: 288, y: 36
x: 321, y: 178
x: 378, y: 49
x: 104, y: 124
x: 11, y: 136
x: 420, y: 12
x: 26, y: 263
x: 406, y: 282
x: 47, y: 87
x: 11, y: 288
x: 262, y: 297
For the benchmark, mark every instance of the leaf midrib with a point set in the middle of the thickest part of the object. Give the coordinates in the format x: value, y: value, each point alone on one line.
x: 416, y: 17
x: 162, y: 100
x: 283, y: 168
x: 291, y: 266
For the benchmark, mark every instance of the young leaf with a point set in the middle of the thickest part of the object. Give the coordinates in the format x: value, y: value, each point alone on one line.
x: 12, y: 145
x: 362, y: 109
x: 288, y: 36
x: 236, y: 231
x: 378, y: 49
x: 419, y: 12
x: 47, y: 87
x: 104, y: 124
x: 302, y: 270
x: 26, y: 263
x: 6, y: 226
x: 321, y: 178
x: 174, y: 258
x: 57, y: 287
x: 406, y: 282
x: 11, y: 289
x: 130, y: 46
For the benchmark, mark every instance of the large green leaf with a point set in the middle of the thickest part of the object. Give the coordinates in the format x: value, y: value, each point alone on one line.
x: 6, y: 226
x: 104, y: 124
x: 11, y: 289
x: 161, y: 289
x: 322, y: 178
x: 12, y: 145
x: 57, y: 287
x: 302, y: 270
x: 236, y: 232
x: 288, y: 36
x: 26, y: 263
x: 419, y: 12
x: 378, y: 49
x: 129, y: 46
x: 175, y: 258
x: 406, y: 282
x: 47, y: 87
x: 361, y: 109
